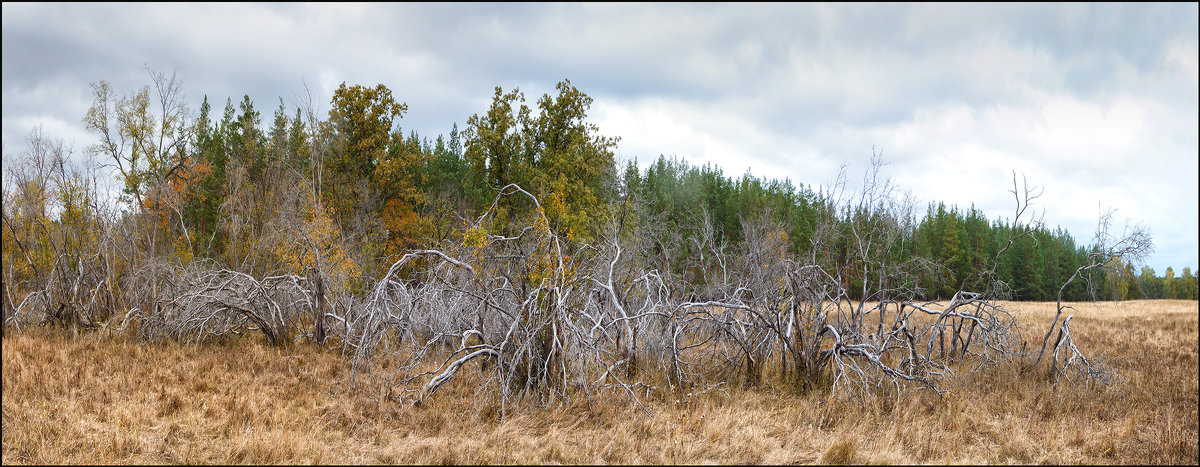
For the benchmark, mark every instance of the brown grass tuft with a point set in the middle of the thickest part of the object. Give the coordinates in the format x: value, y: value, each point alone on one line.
x: 843, y: 451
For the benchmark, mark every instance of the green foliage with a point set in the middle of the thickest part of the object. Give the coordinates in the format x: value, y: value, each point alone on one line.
x: 573, y: 164
x: 1186, y: 290
x: 361, y: 124
x: 398, y: 180
x: 1170, y: 286
x: 136, y: 140
x: 203, y: 213
x: 355, y: 190
x: 557, y: 155
x: 495, y: 146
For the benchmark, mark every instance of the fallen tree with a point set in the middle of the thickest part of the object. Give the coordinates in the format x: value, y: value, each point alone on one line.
x: 538, y: 319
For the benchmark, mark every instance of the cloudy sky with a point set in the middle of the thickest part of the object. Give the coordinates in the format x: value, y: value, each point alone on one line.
x: 1095, y: 103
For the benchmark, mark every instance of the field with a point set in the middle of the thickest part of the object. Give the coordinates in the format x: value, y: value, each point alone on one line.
x: 69, y: 399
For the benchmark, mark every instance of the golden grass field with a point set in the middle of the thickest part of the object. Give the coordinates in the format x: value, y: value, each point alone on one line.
x: 85, y: 400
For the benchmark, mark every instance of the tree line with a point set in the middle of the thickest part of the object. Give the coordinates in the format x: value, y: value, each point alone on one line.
x: 354, y: 189
x: 521, y: 244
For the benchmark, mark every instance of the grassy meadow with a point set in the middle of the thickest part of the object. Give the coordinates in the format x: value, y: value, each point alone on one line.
x: 87, y: 399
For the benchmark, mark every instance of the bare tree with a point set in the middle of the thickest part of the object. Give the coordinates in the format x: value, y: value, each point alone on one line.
x: 148, y: 150
x: 1132, y: 245
x: 525, y: 317
x: 53, y: 216
x: 544, y: 322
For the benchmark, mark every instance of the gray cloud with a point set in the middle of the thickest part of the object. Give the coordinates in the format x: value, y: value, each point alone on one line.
x: 1098, y: 102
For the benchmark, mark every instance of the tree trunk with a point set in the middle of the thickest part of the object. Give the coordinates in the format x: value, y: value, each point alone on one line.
x: 319, y: 312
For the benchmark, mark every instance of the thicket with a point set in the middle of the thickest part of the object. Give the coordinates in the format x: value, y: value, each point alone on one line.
x: 520, y: 244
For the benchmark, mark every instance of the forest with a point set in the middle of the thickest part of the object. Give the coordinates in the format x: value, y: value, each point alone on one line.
x: 520, y: 240
x: 220, y: 285
x: 224, y: 188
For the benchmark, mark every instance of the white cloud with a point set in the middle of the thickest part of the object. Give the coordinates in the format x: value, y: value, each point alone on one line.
x: 1183, y: 54
x: 1097, y: 102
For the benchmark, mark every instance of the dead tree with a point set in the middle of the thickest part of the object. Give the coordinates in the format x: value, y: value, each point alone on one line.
x: 548, y: 322
x: 1133, y: 245
x: 213, y: 303
x: 65, y: 278
x: 512, y: 293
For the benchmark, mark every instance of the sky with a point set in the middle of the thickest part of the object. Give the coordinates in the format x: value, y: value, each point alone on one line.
x: 1094, y: 103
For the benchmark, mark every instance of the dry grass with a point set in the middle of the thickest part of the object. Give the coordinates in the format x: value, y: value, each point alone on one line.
x: 76, y: 400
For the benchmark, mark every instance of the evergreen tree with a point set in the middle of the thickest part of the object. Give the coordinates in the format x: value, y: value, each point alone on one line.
x: 203, y: 215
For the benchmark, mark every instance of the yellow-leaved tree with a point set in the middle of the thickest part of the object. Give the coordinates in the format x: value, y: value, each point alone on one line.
x: 317, y: 244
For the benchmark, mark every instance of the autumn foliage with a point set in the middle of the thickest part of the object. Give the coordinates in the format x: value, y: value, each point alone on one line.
x: 517, y: 266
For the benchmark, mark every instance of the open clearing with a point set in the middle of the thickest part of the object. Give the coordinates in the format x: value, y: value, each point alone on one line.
x: 90, y: 400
